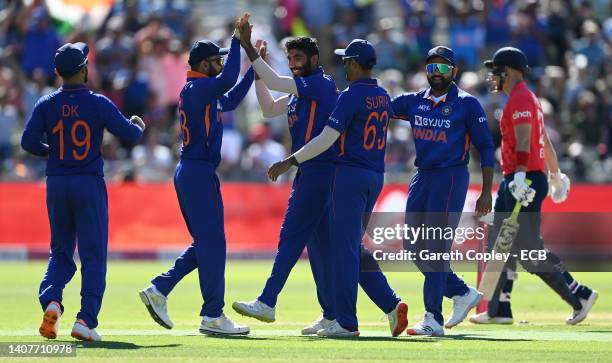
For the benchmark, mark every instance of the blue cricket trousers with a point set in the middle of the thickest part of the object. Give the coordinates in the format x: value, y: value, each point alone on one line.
x: 354, y: 195
x: 435, y: 199
x: 199, y: 195
x: 77, y: 206
x: 306, y: 223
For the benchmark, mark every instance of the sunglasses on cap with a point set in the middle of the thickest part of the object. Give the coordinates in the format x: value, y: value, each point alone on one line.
x: 440, y: 67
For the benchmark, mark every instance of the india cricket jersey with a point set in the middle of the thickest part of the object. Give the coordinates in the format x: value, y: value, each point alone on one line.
x: 523, y: 107
x: 200, y: 105
x: 443, y: 131
x: 361, y: 116
x: 308, y: 111
x: 73, y: 118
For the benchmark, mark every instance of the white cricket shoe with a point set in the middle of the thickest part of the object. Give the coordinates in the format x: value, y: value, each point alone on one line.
x: 222, y: 326
x: 80, y: 331
x: 462, y: 304
x: 335, y: 330
x: 484, y: 318
x: 317, y: 325
x: 579, y: 315
x: 428, y: 326
x: 398, y: 319
x: 255, y: 309
x: 156, y: 303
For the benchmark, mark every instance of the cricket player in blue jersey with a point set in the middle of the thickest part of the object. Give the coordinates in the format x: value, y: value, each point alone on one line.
x: 312, y: 96
x: 307, y: 221
x: 358, y: 124
x: 73, y: 119
x: 207, y: 93
x: 444, y: 121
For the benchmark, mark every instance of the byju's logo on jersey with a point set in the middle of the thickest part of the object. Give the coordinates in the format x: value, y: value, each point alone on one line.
x: 431, y: 122
x: 521, y: 114
x: 423, y: 107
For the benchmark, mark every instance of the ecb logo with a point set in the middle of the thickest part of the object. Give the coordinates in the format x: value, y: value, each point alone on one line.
x: 446, y: 110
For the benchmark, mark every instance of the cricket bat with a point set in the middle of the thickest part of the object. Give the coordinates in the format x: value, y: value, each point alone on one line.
x: 503, y: 243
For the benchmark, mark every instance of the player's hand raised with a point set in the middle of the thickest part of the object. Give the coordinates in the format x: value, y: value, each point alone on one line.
x: 239, y: 23
x: 262, y: 49
x: 245, y: 29
x: 279, y: 168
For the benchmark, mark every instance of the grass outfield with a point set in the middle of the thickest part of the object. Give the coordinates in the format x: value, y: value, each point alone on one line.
x: 131, y: 335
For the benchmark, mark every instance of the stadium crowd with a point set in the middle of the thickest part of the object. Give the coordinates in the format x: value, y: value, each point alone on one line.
x: 138, y: 59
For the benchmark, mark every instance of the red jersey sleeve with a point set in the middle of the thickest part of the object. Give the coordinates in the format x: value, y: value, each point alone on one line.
x: 521, y: 109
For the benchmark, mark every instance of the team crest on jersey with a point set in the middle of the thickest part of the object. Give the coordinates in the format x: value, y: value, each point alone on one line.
x: 446, y: 110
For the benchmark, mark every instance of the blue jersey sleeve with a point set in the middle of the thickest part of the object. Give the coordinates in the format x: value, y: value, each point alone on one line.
x: 342, y: 114
x: 228, y: 77
x: 31, y: 140
x: 232, y: 99
x: 116, y: 122
x: 401, y: 106
x: 480, y: 134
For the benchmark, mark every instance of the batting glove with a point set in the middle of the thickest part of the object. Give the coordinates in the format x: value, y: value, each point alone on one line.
x: 520, y: 190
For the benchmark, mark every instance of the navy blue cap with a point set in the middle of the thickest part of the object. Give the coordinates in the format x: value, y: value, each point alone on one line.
x: 443, y: 52
x: 203, y: 49
x: 70, y: 58
x: 508, y: 56
x: 361, y: 50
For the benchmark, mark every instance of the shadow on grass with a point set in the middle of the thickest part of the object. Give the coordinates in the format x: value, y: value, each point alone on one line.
x: 478, y: 337
x: 235, y: 337
x: 118, y: 345
x: 365, y: 339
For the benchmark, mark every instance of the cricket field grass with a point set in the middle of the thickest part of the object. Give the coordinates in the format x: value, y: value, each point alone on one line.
x: 129, y: 334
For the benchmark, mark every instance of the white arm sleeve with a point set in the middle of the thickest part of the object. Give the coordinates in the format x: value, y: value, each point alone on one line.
x: 317, y: 145
x: 270, y: 107
x: 272, y: 79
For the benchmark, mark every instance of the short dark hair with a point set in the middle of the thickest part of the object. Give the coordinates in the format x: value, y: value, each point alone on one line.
x: 305, y: 44
x: 68, y: 75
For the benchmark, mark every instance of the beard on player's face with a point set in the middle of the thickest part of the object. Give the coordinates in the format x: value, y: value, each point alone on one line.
x: 302, y: 70
x: 439, y: 82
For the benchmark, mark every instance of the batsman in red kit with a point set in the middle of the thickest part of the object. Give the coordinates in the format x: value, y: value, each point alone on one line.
x: 526, y: 154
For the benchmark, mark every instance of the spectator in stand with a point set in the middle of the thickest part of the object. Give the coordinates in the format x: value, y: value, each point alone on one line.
x: 152, y: 161
x: 174, y: 66
x: 419, y: 24
x: 497, y: 28
x: 261, y: 153
x: 390, y: 46
x: 114, y: 51
x: 594, y: 49
x: 40, y: 43
x: 530, y: 35
x: 466, y: 37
